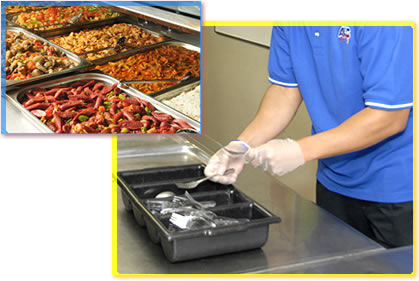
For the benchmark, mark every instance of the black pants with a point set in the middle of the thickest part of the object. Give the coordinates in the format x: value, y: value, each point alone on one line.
x: 390, y: 224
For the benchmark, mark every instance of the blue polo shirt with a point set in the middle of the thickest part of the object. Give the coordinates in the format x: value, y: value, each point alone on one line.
x: 340, y: 71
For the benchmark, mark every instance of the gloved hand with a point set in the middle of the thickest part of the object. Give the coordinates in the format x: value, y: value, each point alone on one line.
x: 278, y: 156
x: 230, y: 156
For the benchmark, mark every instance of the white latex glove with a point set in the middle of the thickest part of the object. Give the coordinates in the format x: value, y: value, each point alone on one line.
x: 226, y: 158
x: 278, y: 156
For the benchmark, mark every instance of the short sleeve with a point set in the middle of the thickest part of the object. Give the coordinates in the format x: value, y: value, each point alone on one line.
x: 386, y: 59
x: 279, y: 66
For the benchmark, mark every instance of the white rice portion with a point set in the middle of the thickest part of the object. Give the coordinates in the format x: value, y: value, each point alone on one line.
x: 187, y: 102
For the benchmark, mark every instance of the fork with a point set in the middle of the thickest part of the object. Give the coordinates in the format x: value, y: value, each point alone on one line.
x: 189, y: 222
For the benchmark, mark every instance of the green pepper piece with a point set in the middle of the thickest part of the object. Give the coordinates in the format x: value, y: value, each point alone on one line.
x: 137, y: 115
x: 110, y: 94
x: 147, y: 110
x: 121, y: 96
x: 124, y: 130
x: 143, y: 130
x: 83, y: 118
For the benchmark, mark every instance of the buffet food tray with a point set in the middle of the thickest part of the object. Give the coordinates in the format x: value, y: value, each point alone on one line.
x: 130, y: 53
x: 17, y: 97
x: 81, y: 63
x: 175, y: 91
x: 178, y: 245
x: 51, y: 32
x: 123, y: 19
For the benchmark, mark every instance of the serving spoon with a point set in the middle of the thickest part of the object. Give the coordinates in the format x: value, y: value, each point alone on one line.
x: 193, y: 184
x: 187, y: 76
x: 119, y: 45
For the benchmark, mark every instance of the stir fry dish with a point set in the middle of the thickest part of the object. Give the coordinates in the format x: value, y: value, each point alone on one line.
x: 94, y: 107
x: 28, y: 57
x: 56, y: 17
x: 108, y: 36
x: 166, y: 62
x: 18, y: 9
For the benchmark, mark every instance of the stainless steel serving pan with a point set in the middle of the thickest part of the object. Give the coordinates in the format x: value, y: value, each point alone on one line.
x: 81, y: 63
x: 162, y: 95
x: 51, y: 32
x: 130, y: 53
x: 17, y: 97
x: 95, y: 25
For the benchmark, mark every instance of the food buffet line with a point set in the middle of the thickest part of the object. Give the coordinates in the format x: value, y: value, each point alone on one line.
x: 102, y: 69
x: 306, y: 239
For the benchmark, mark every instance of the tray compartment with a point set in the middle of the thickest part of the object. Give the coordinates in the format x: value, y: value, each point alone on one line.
x: 17, y: 97
x: 81, y: 63
x: 134, y: 52
x: 98, y: 25
x: 11, y: 19
x: 179, y: 245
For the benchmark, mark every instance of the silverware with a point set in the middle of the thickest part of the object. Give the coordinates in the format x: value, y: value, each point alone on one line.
x: 193, y: 184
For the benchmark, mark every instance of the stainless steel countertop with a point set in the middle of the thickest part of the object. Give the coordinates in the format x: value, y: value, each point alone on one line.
x: 306, y: 235
x: 391, y: 261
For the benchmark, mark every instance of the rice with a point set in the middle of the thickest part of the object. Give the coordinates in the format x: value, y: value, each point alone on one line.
x: 187, y: 102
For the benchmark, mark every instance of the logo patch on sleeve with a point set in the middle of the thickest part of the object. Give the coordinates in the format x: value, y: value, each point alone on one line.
x: 344, y: 34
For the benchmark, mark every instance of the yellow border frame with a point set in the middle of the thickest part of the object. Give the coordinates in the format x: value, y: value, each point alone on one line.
x: 274, y: 23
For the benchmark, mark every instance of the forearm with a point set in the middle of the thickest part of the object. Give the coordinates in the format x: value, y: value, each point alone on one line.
x: 364, y: 129
x: 276, y: 111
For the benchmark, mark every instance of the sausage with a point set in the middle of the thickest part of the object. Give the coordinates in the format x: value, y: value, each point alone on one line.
x: 41, y: 106
x: 88, y: 84
x: 99, y: 101
x: 131, y: 125
x: 128, y: 115
x: 97, y: 86
x: 58, y: 122
x: 38, y: 113
x: 162, y: 117
x: 182, y: 124
x: 70, y: 104
x: 117, y: 116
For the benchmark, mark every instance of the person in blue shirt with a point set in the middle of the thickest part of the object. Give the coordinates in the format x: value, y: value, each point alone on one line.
x: 357, y: 85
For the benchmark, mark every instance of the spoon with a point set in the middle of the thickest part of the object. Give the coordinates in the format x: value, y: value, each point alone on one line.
x: 119, y: 45
x: 193, y: 184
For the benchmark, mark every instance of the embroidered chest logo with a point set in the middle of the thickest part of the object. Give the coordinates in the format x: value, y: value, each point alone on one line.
x: 344, y: 34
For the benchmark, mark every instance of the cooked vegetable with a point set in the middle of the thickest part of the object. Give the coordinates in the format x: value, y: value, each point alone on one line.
x: 56, y: 17
x: 98, y: 38
x: 166, y: 62
x: 17, y: 9
x: 77, y: 108
x: 27, y: 57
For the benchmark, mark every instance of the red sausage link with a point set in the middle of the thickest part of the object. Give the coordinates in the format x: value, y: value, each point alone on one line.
x: 117, y: 116
x: 67, y: 114
x: 128, y: 115
x: 58, y: 122
x: 97, y: 86
x: 99, y: 101
x: 182, y: 123
x: 88, y: 84
x: 51, y: 92
x: 131, y: 125
x: 162, y: 117
x: 41, y: 106
x: 70, y: 104
x: 38, y: 113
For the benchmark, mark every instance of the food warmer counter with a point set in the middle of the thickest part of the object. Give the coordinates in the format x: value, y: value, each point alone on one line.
x: 169, y: 25
x: 308, y: 239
